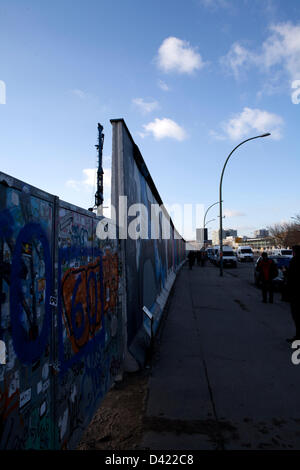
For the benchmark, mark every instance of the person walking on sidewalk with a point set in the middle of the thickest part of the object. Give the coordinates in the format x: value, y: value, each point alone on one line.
x: 267, y: 270
x: 191, y: 258
x: 293, y: 289
x: 203, y: 257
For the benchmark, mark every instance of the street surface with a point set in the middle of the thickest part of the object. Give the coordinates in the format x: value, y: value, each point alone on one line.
x: 224, y: 378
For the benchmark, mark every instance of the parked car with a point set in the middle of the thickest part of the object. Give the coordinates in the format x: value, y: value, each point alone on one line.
x: 282, y: 265
x: 209, y: 252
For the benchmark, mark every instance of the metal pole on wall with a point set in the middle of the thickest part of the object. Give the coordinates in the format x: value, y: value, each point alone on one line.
x: 99, y: 191
x: 220, y: 197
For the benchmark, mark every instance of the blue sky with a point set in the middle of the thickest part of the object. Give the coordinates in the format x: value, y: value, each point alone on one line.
x: 191, y: 79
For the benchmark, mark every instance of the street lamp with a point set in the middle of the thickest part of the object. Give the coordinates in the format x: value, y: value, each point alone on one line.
x: 211, y: 220
x: 218, y: 202
x: 220, y: 197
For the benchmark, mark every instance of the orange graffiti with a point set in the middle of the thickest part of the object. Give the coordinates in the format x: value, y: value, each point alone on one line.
x: 81, y: 300
x: 110, y: 280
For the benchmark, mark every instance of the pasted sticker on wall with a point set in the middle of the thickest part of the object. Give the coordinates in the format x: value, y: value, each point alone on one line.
x: 15, y: 198
x: 25, y: 397
x: 2, y: 352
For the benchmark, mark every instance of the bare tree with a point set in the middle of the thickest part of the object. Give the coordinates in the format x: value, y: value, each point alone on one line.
x: 287, y: 234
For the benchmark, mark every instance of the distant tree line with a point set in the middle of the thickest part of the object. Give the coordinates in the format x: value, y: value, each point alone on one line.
x: 286, y: 234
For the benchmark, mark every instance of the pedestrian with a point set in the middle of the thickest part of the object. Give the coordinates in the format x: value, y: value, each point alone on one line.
x: 191, y: 258
x: 293, y: 288
x: 267, y: 270
x: 198, y: 257
x: 203, y: 257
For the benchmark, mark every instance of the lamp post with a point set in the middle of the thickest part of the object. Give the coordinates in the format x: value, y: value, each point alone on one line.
x: 220, y: 197
x: 204, y: 240
x: 211, y: 220
x: 218, y: 202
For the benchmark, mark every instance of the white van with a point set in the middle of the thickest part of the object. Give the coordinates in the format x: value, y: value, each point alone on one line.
x: 229, y: 258
x: 244, y: 253
x: 284, y: 252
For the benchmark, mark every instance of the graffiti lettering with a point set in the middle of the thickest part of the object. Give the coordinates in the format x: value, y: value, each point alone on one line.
x: 81, y: 303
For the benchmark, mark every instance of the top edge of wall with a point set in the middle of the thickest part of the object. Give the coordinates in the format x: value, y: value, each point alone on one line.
x: 15, y: 183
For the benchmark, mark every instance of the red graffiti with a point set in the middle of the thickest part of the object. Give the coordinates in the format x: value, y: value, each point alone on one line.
x: 81, y: 300
x: 8, y: 403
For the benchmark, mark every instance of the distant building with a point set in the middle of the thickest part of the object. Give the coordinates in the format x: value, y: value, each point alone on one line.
x: 225, y: 233
x: 201, y: 235
x: 259, y: 244
x: 261, y: 233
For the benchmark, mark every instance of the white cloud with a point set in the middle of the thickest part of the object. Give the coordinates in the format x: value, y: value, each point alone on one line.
x: 162, y: 128
x: 215, y: 4
x: 89, y: 180
x: 217, y: 135
x: 81, y: 94
x: 163, y: 85
x: 281, y: 48
x: 238, y: 59
x: 176, y: 55
x: 233, y: 213
x: 144, y: 106
x: 251, y: 121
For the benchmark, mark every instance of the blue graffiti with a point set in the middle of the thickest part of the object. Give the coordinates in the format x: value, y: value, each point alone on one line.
x: 28, y: 349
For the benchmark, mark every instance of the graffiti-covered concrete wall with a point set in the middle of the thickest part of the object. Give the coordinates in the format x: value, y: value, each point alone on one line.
x: 71, y: 302
x: 60, y: 318
x: 151, y: 262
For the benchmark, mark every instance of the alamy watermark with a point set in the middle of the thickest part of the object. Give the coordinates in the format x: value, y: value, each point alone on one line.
x: 139, y: 221
x: 2, y: 92
x: 295, y: 356
x: 295, y: 96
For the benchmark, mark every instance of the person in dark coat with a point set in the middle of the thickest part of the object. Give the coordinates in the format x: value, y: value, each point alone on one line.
x: 203, y: 257
x: 191, y: 258
x: 293, y: 288
x: 267, y: 270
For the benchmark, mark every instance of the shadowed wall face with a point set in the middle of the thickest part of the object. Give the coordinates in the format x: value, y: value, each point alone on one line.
x: 150, y: 263
x: 26, y: 406
x: 60, y: 318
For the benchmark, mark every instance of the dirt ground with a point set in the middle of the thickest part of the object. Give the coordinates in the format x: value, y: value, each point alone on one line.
x: 118, y: 423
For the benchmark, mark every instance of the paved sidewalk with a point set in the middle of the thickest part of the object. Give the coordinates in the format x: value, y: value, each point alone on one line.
x: 224, y: 378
